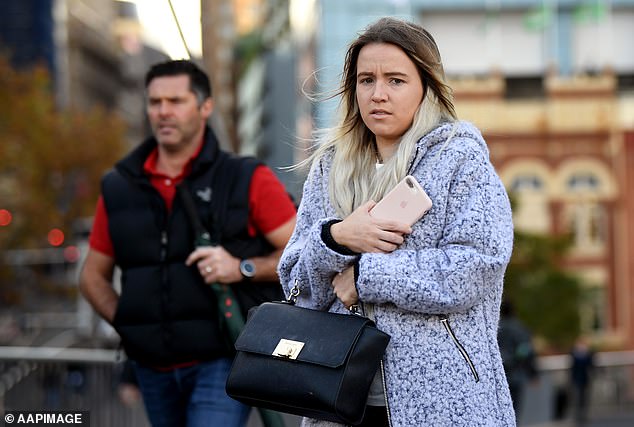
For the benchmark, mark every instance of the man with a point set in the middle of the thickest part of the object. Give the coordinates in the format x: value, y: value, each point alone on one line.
x: 167, y: 315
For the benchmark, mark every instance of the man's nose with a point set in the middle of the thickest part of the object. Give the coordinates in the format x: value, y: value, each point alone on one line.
x: 164, y: 108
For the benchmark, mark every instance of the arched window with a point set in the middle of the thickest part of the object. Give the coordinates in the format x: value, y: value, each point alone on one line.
x: 583, y: 181
x: 527, y: 182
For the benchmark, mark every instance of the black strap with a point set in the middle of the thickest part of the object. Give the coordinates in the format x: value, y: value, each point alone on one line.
x: 202, y: 237
x: 235, y: 322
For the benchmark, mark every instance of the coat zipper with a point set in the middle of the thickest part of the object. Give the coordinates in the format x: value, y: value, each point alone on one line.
x: 370, y: 315
x: 445, y: 321
x: 387, y: 404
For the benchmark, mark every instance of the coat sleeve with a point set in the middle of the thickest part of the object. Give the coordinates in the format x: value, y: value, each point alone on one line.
x: 306, y: 258
x: 468, y: 258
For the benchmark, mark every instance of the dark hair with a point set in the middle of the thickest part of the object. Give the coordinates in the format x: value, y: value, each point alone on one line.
x: 198, y: 79
x: 417, y: 44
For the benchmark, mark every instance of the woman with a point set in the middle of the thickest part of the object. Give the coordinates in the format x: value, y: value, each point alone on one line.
x: 436, y: 286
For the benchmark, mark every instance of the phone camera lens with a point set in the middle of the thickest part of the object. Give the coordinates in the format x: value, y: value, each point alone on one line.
x: 409, y: 183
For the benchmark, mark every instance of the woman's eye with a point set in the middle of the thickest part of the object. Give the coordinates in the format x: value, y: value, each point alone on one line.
x: 366, y: 80
x: 397, y: 81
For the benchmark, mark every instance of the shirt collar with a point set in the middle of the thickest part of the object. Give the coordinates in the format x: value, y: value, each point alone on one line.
x: 150, y: 166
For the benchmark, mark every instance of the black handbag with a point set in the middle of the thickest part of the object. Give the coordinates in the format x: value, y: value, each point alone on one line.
x: 306, y: 362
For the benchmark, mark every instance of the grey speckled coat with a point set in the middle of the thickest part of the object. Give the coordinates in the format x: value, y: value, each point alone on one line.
x: 451, y: 266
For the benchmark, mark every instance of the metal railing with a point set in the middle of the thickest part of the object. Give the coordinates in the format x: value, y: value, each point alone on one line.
x: 72, y: 379
x: 550, y: 398
x: 66, y: 379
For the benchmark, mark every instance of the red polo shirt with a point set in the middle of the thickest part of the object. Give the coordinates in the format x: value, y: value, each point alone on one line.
x: 269, y: 203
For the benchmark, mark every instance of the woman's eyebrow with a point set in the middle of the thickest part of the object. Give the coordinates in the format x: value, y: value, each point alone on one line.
x: 387, y: 73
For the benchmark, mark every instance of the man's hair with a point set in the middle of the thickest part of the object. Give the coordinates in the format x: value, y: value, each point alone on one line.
x: 198, y: 79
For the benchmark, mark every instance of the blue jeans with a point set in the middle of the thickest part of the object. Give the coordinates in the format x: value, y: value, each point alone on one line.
x: 193, y: 396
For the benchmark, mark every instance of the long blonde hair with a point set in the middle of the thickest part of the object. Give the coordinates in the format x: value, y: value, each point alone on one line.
x: 354, y: 178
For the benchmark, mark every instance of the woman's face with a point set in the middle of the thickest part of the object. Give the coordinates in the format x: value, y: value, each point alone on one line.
x: 389, y: 91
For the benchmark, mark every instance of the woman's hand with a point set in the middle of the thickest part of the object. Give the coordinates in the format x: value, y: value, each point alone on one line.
x: 344, y: 288
x: 361, y: 232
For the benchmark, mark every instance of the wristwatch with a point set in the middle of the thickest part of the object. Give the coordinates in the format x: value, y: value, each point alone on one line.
x: 247, y: 268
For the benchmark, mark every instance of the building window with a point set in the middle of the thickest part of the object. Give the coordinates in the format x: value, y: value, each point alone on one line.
x: 592, y: 310
x: 583, y: 181
x: 586, y: 216
x: 524, y: 87
x: 527, y: 182
x: 588, y: 225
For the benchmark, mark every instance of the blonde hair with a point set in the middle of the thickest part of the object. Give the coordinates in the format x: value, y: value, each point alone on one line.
x: 354, y: 178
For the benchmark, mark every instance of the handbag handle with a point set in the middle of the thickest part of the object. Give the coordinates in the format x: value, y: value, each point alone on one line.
x: 356, y: 309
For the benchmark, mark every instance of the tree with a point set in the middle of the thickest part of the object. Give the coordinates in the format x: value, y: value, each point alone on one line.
x: 51, y: 161
x: 546, y: 297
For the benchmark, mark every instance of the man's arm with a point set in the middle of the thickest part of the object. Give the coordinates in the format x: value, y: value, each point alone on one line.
x: 95, y: 284
x: 266, y: 266
x: 215, y: 264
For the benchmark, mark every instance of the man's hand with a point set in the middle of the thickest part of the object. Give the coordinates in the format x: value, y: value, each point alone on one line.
x: 215, y: 264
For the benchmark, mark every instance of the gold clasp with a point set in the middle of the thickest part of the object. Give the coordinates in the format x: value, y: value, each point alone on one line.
x: 288, y: 349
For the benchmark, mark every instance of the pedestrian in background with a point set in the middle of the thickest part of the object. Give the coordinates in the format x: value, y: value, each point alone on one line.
x: 518, y: 354
x: 580, y: 377
x: 436, y: 286
x: 167, y: 315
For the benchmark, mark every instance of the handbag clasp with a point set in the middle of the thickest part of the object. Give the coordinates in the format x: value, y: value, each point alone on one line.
x: 288, y: 349
x: 293, y: 294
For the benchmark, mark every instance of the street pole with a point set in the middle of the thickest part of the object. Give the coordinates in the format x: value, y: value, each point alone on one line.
x: 218, y: 41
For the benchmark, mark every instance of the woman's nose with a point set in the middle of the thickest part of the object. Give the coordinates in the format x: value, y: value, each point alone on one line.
x: 379, y: 93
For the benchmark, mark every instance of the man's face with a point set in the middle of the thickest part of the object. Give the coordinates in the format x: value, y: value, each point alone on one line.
x: 175, y: 116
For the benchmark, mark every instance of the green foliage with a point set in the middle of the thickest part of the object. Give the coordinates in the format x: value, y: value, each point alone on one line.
x: 248, y: 48
x: 51, y: 161
x: 546, y: 297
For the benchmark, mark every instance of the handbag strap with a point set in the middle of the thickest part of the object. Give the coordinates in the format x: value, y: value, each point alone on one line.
x: 228, y: 309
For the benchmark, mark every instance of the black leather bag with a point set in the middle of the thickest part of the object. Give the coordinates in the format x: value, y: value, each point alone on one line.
x: 306, y: 362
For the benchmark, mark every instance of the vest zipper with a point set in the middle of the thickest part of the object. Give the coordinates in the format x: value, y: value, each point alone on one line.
x: 445, y: 321
x: 163, y: 245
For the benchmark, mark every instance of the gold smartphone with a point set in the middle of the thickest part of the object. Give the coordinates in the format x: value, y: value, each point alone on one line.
x: 407, y: 202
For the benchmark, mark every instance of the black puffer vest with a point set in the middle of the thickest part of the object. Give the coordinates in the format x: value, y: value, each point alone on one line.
x: 166, y: 313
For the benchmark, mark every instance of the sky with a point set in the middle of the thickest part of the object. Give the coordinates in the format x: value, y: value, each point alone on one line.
x: 160, y: 30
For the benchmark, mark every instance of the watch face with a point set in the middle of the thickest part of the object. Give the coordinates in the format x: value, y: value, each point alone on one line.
x: 247, y: 268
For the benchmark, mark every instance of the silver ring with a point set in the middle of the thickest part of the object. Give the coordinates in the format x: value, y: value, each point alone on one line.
x: 208, y: 269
